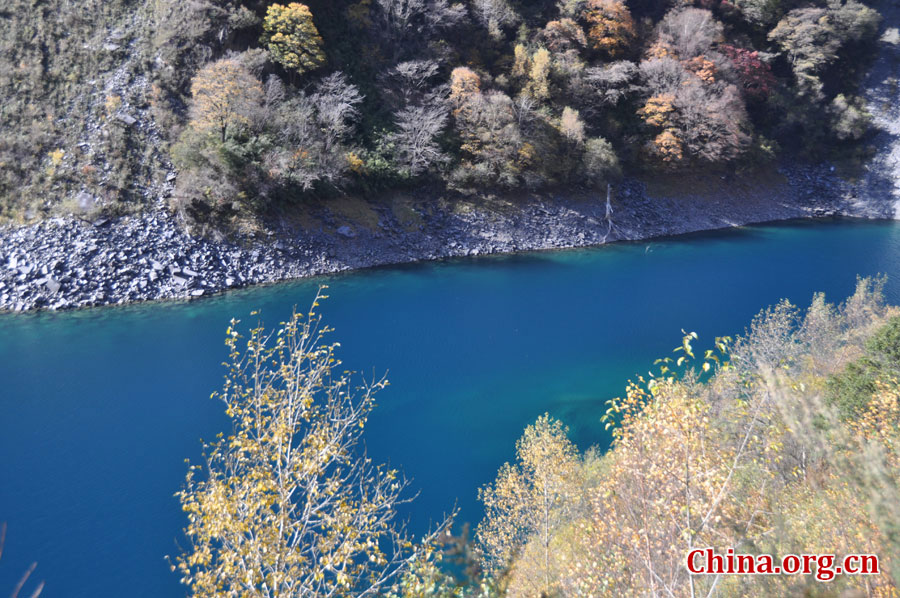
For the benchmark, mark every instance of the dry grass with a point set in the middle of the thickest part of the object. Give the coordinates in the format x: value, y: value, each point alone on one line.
x: 354, y: 211
x: 711, y: 185
x: 403, y: 209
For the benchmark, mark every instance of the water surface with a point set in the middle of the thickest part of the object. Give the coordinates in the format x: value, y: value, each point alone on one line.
x: 99, y: 409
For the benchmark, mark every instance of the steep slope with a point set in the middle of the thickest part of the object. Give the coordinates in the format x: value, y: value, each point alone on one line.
x: 878, y: 193
x: 75, y: 127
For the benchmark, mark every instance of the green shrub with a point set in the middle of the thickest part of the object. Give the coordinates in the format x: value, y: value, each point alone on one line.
x: 852, y: 390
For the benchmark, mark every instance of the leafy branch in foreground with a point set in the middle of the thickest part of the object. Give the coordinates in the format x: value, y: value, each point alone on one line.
x: 532, y: 498
x: 24, y: 579
x: 289, y: 504
x: 781, y: 441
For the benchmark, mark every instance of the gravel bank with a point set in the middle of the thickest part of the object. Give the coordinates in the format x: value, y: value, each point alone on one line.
x: 66, y: 263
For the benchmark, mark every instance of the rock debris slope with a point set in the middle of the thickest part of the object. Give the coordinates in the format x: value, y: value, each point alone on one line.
x: 878, y: 194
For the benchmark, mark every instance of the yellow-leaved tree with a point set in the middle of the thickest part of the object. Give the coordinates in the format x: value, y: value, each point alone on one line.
x: 225, y: 94
x: 539, y: 75
x: 289, y: 504
x: 744, y: 455
x: 292, y: 38
x: 527, y: 505
x: 571, y: 125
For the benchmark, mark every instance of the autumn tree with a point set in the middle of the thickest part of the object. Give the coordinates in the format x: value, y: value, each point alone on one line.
x: 610, y: 28
x: 751, y: 460
x: 810, y: 42
x: 495, y: 15
x: 288, y: 503
x: 734, y: 449
x: 571, y: 125
x: 465, y: 96
x: 841, y: 490
x: 661, y: 484
x: 532, y: 71
x: 691, y: 117
x: 538, y: 85
x: 756, y: 77
x: 415, y: 140
x: 658, y: 110
x: 688, y: 32
x: 509, y: 142
x: 494, y: 150
x: 530, y: 500
x: 563, y: 35
x: 224, y: 94
x: 521, y: 64
x: 315, y: 134
x: 292, y: 38
x: 694, y: 110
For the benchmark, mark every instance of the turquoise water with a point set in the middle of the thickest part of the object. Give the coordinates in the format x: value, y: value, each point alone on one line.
x: 99, y: 409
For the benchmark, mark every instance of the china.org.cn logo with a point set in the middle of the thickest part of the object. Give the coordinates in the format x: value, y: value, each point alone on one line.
x: 825, y: 567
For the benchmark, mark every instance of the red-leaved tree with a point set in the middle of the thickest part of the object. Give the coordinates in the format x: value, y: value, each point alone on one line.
x: 756, y: 76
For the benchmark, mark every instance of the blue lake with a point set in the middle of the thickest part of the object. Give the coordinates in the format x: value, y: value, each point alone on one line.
x: 99, y: 408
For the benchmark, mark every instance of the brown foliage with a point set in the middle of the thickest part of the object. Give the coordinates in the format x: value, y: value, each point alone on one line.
x: 610, y: 26
x: 668, y: 147
x: 658, y: 110
x: 563, y: 35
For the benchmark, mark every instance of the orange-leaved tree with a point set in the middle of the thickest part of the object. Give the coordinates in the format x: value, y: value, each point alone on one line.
x: 610, y: 26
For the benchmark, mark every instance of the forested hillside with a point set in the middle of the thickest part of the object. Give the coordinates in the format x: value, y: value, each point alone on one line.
x: 255, y: 103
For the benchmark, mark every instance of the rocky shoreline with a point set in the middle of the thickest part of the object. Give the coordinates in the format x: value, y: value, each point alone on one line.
x: 67, y: 263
